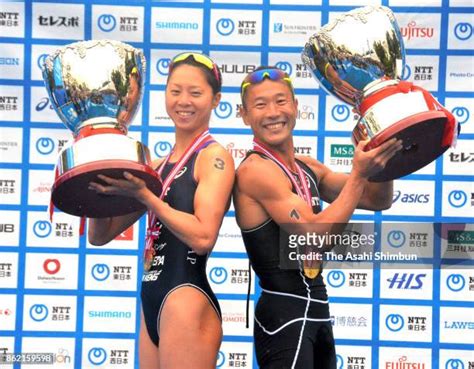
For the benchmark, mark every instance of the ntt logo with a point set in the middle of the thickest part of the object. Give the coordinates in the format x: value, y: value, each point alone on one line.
x: 339, y: 362
x: 463, y: 31
x: 41, y: 60
x: 220, y: 359
x: 42, y: 228
x: 396, y: 238
x: 340, y: 113
x: 225, y: 26
x: 285, y: 67
x: 162, y: 148
x: 394, y: 322
x: 106, y: 22
x: 455, y: 282
x: 454, y: 364
x: 97, y: 356
x: 457, y: 198
x: 45, y: 145
x: 406, y: 74
x: 336, y: 278
x: 218, y: 275
x: 223, y: 110
x: 100, y: 272
x: 39, y: 312
x: 163, y: 65
x: 462, y: 114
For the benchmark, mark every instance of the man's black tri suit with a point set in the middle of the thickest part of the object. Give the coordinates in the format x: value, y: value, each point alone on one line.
x: 292, y: 324
x: 175, y: 264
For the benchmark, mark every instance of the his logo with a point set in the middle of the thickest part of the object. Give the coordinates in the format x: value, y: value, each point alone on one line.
x: 394, y: 322
x: 42, y: 228
x: 163, y: 65
x: 463, y: 31
x: 336, y: 278
x: 462, y: 114
x: 225, y: 26
x: 396, y: 238
x: 106, y: 22
x: 220, y: 359
x: 340, y: 113
x: 223, y: 110
x: 51, y: 266
x: 97, y: 356
x: 39, y: 312
x: 457, y: 198
x: 406, y: 74
x: 285, y: 67
x: 218, y: 275
x: 455, y: 282
x: 45, y: 145
x: 100, y: 272
x: 162, y: 148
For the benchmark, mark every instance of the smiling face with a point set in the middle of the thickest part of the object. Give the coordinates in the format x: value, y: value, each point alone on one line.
x: 270, y: 110
x: 189, y: 98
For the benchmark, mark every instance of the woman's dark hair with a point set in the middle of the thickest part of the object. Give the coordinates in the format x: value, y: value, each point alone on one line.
x: 216, y: 84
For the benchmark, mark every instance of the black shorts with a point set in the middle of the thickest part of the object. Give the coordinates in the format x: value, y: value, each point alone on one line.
x: 284, y: 339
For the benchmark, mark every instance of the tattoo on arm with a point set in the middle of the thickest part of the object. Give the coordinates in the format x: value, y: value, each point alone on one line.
x: 219, y: 164
x: 294, y: 214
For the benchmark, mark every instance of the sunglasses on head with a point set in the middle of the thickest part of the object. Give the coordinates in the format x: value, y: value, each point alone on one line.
x: 198, y: 58
x: 259, y: 75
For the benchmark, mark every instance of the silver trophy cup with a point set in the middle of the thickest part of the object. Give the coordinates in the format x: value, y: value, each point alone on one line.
x: 359, y: 58
x: 96, y: 87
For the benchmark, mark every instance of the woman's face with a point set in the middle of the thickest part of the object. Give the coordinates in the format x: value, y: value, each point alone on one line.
x: 189, y: 98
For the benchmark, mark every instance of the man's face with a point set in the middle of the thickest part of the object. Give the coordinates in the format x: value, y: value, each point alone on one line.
x: 270, y: 111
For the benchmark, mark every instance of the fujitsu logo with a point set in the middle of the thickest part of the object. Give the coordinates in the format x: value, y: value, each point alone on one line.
x: 412, y: 31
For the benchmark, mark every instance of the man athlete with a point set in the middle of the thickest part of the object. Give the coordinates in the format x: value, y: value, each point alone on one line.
x: 275, y: 191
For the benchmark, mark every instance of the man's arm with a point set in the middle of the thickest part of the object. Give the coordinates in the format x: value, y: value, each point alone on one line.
x: 376, y: 196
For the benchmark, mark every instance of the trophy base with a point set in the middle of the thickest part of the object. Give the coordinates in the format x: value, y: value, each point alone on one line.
x: 70, y: 191
x: 422, y: 136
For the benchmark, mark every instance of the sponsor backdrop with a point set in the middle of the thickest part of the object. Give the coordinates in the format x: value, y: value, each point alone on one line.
x: 61, y: 295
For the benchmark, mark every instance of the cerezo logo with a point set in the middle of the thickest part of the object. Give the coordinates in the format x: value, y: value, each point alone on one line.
x: 457, y: 198
x: 277, y: 27
x: 100, y: 272
x: 45, y: 145
x: 454, y: 364
x: 462, y: 114
x: 42, y: 228
x: 162, y: 148
x: 225, y: 26
x: 340, y: 113
x: 285, y: 67
x: 106, y: 22
x: 455, y: 282
x: 406, y: 73
x: 39, y: 312
x: 336, y: 278
x: 220, y: 359
x: 396, y: 238
x: 463, y: 31
x: 223, y: 110
x: 41, y: 60
x: 97, y: 356
x: 163, y: 65
x: 394, y: 322
x: 218, y: 275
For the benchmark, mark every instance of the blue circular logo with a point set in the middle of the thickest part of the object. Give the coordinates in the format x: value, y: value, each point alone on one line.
x: 336, y: 278
x: 462, y: 114
x: 38, y: 312
x: 106, y: 22
x: 163, y: 65
x: 220, y: 359
x: 41, y: 60
x: 457, y: 198
x: 218, y: 275
x: 455, y: 282
x: 394, y: 322
x: 406, y: 74
x: 463, y: 31
x: 396, y: 238
x: 97, y: 356
x: 454, y: 364
x: 225, y: 26
x: 45, y: 145
x: 42, y: 228
x: 340, y: 113
x: 162, y: 148
x: 100, y: 272
x: 223, y: 110
x: 339, y: 362
x: 285, y: 67
x: 44, y: 102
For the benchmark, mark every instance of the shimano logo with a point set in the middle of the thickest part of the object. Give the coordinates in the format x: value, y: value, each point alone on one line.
x: 177, y: 25
x: 110, y: 314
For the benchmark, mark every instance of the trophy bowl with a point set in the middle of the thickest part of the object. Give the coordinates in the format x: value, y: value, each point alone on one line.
x: 359, y: 58
x: 95, y: 88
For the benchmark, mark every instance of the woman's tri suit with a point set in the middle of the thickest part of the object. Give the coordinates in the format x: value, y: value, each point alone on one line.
x: 175, y: 264
x: 292, y: 324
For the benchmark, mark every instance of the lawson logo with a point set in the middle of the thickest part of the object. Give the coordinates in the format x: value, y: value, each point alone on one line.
x: 410, y: 198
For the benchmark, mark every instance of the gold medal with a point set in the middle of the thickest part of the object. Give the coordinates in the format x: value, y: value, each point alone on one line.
x: 149, y: 256
x: 311, y: 273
